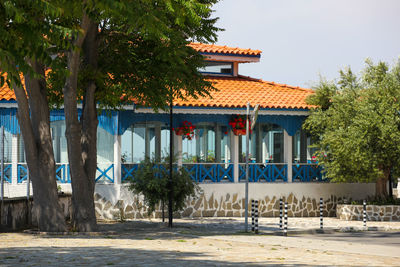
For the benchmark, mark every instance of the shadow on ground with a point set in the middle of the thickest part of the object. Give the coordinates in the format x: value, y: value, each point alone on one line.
x: 109, y: 256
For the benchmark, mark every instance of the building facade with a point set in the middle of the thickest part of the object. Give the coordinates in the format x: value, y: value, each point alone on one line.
x: 281, y: 162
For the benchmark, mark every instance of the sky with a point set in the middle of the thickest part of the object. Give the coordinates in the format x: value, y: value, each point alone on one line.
x: 303, y: 40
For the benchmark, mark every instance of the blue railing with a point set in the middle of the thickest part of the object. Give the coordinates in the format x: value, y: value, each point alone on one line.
x: 268, y: 172
x: 7, y: 172
x: 210, y: 172
x: 199, y: 172
x: 104, y: 173
x: 62, y: 173
x: 303, y: 172
x: 128, y: 171
x: 22, y: 173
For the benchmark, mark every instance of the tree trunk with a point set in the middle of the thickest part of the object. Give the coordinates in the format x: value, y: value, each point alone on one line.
x: 381, y: 184
x: 34, y: 121
x: 82, y: 182
x: 89, y: 124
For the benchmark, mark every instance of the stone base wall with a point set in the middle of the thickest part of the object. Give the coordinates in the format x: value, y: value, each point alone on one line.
x: 374, y: 212
x: 227, y: 200
x: 17, y: 214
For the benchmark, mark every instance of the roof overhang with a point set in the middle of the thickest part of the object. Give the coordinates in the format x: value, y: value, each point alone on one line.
x: 231, y: 57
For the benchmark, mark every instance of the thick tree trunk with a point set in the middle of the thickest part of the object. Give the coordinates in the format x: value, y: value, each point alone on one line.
x: 34, y: 121
x: 82, y: 183
x: 89, y: 124
x: 381, y: 184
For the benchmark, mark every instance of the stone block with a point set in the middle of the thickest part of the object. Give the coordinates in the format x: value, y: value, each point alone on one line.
x: 198, y: 203
x: 129, y: 215
x: 236, y: 214
x: 128, y: 208
x: 267, y: 214
x: 221, y: 213
x: 235, y: 196
x: 211, y: 202
x: 229, y: 213
x: 108, y: 205
x: 227, y: 197
x: 97, y: 197
x: 98, y: 206
x: 228, y: 206
x: 196, y: 214
x: 236, y: 206
x: 290, y: 198
x: 187, y: 212
x: 209, y: 213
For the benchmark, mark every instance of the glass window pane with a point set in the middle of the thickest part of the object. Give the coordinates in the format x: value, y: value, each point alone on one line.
x: 272, y: 143
x: 225, y: 145
x: 165, y: 141
x: 105, y: 146
x: 59, y: 141
x: 217, y: 68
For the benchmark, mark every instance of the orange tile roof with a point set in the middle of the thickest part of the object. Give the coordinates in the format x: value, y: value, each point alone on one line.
x: 5, y: 92
x: 235, y: 92
x: 211, y: 48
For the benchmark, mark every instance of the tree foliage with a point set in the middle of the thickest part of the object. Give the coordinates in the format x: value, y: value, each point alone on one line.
x: 356, y: 124
x: 151, y: 181
x: 100, y: 52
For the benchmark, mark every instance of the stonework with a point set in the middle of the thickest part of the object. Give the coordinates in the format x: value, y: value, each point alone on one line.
x: 16, y: 214
x: 229, y: 205
x: 374, y: 212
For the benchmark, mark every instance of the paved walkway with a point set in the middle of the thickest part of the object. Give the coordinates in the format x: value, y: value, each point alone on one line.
x: 201, y: 242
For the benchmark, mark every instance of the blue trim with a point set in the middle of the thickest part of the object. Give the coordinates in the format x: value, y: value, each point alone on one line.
x: 8, y: 101
x: 108, y: 120
x: 229, y: 54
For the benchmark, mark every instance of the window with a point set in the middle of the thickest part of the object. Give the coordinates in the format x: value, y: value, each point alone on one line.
x: 202, y: 147
x: 140, y: 141
x: 214, y: 67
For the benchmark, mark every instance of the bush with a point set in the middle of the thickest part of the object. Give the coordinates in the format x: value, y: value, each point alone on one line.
x: 151, y: 180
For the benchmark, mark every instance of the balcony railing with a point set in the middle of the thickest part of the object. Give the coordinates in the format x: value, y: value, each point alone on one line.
x: 307, y: 172
x: 199, y: 172
x: 104, y: 173
x: 268, y: 172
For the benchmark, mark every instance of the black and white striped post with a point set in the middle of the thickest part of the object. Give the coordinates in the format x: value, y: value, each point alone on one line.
x: 256, y: 217
x: 321, y: 214
x: 365, y: 213
x: 280, y: 213
x: 286, y: 220
x: 252, y: 215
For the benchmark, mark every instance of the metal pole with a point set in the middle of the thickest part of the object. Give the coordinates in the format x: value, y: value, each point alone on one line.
x: 321, y: 214
x: 365, y: 213
x: 170, y: 185
x: 286, y: 219
x: 280, y: 213
x: 252, y: 215
x: 256, y: 216
x: 246, y: 204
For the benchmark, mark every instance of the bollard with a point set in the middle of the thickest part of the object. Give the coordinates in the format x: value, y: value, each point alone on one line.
x: 321, y: 214
x: 256, y: 216
x: 252, y: 215
x: 365, y: 213
x: 280, y: 213
x: 286, y: 220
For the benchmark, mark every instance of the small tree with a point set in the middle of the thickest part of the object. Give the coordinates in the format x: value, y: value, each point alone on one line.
x: 357, y: 125
x: 151, y: 180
